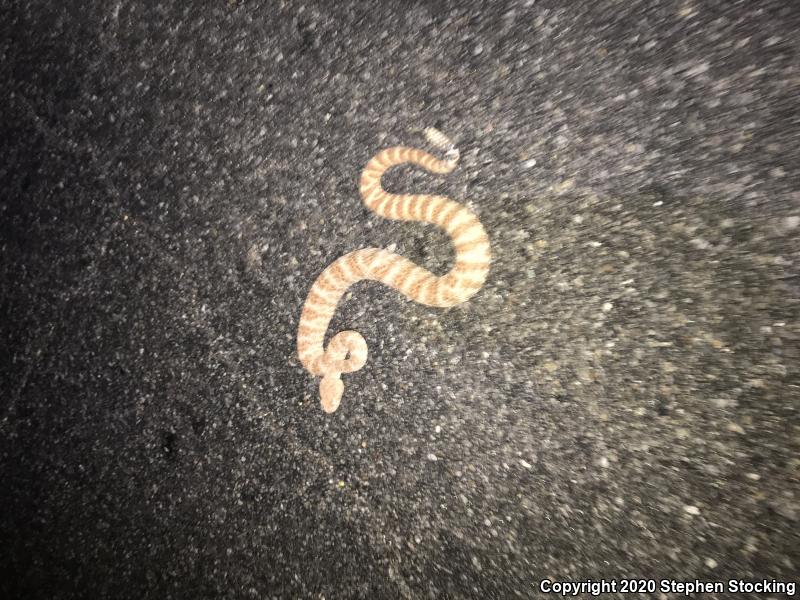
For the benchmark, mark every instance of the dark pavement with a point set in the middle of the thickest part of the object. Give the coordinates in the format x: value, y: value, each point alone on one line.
x: 621, y: 399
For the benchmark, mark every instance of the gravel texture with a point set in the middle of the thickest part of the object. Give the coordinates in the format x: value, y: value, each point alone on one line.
x: 620, y: 400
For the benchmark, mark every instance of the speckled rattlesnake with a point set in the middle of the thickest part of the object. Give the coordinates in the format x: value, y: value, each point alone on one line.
x: 347, y: 350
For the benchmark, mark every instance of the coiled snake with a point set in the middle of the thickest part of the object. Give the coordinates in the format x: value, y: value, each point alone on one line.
x: 347, y: 351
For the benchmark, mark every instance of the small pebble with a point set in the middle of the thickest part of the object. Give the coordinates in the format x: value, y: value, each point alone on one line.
x: 777, y: 172
x: 565, y: 186
x: 697, y: 69
x: 735, y: 428
x: 692, y: 510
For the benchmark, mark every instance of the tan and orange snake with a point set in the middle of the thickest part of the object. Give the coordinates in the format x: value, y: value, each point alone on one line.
x: 347, y: 350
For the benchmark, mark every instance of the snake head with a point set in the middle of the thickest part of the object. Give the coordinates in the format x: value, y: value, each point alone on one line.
x: 331, y: 389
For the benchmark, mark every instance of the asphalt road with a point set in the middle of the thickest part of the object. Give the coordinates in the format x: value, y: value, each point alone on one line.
x: 620, y: 400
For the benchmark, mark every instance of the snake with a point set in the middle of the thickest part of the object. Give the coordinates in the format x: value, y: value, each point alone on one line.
x: 347, y: 351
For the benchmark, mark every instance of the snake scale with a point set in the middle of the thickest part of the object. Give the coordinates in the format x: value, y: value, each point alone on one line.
x: 346, y: 352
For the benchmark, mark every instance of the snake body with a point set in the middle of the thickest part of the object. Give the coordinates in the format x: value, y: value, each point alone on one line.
x: 347, y: 351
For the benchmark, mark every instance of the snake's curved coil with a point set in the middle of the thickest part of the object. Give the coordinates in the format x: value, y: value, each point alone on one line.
x: 347, y: 351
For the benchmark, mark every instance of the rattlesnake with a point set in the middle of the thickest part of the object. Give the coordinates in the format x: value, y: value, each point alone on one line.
x: 347, y: 350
